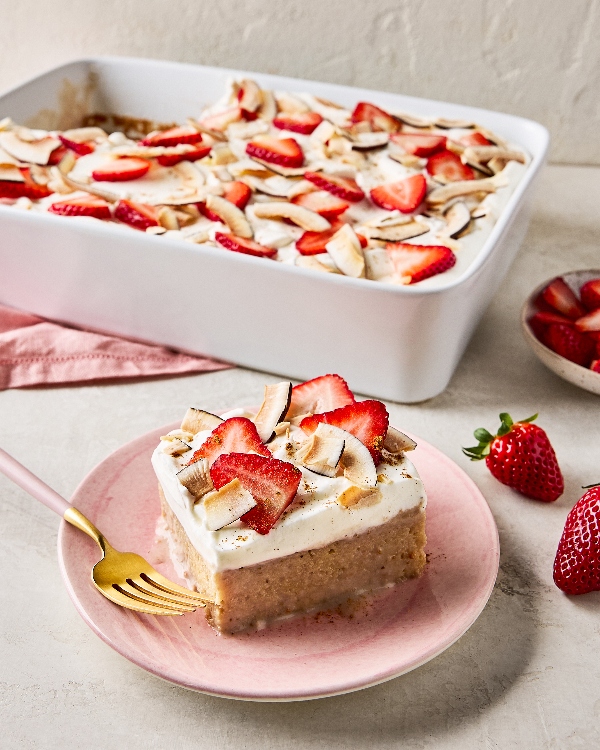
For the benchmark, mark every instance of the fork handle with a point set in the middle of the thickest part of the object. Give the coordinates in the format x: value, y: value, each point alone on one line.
x: 32, y: 484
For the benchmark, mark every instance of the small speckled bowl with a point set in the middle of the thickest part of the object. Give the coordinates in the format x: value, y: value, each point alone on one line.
x: 576, y: 374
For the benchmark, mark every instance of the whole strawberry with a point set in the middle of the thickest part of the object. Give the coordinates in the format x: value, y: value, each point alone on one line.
x: 520, y: 456
x: 577, y: 562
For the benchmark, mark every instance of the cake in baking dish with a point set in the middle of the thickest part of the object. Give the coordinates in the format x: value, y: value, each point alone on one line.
x: 294, y: 507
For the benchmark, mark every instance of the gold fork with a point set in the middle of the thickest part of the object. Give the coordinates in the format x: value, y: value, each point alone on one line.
x: 123, y: 577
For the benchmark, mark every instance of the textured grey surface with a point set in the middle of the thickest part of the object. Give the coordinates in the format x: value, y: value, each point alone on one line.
x: 526, y: 675
x: 539, y: 59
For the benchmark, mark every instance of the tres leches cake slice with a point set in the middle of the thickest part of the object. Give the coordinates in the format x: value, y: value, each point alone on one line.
x: 302, y: 505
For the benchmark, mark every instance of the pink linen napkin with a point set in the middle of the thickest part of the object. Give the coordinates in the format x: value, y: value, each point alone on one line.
x: 34, y: 351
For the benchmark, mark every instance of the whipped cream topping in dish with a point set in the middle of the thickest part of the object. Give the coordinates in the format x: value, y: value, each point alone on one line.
x: 335, y: 490
x: 364, y: 193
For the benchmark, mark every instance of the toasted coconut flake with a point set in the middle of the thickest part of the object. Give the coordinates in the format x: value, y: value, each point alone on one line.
x: 285, y: 171
x: 300, y: 187
x: 378, y: 264
x: 338, y: 146
x: 496, y: 165
x: 312, y: 262
x: 83, y: 135
x: 289, y: 103
x: 217, y: 135
x: 282, y: 428
x: 175, y: 447
x: 245, y: 130
x: 352, y: 496
x: 227, y: 505
x: 91, y: 188
x: 407, y: 160
x: 277, y: 186
x: 197, y: 420
x: 397, y: 442
x: 447, y: 124
x: 168, y: 219
x: 384, y: 479
x: 231, y: 215
x: 323, y: 132
x: 6, y: 124
x: 248, y: 167
x: 345, y: 251
x: 196, y: 478
x: 251, y: 98
x: 268, y: 107
x: 398, y: 233
x: 156, y: 230
x: 414, y: 121
x: 66, y: 164
x: 458, y: 218
x: 359, y: 467
x: 321, y: 455
x: 29, y: 151
x: 367, y: 141
x: 485, y: 153
x: 479, y: 212
x: 275, y: 404
x: 464, y: 187
x: 11, y: 173
x: 309, y: 220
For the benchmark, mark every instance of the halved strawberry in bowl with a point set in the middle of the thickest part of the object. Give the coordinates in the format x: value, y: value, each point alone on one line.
x: 318, y: 395
x: 559, y: 295
x: 286, y: 152
x: 137, y: 215
x: 169, y: 160
x: 323, y: 203
x: 234, y: 435
x: 419, y: 144
x: 448, y: 166
x: 366, y: 420
x: 271, y: 482
x: 590, y: 294
x: 298, y: 122
x: 406, y: 195
x: 121, y: 170
x: 88, y: 205
x: 377, y: 118
x: 245, y: 246
x: 172, y: 137
x: 343, y: 187
x: 413, y: 263
x: 570, y: 343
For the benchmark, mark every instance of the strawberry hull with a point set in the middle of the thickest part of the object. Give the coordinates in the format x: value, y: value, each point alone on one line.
x: 396, y: 342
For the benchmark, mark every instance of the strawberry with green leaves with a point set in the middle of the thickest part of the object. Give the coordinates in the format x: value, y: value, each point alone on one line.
x: 520, y: 455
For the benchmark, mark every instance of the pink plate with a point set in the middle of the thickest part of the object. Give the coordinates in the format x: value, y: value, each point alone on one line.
x: 300, y: 658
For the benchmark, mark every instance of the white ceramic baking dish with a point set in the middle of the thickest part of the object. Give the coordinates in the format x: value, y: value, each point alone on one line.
x: 395, y: 342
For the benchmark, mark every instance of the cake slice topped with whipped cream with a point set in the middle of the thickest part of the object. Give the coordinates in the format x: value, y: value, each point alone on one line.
x: 287, y: 509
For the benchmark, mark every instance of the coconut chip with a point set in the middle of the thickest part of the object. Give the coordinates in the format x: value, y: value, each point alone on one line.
x: 346, y: 252
x: 231, y: 215
x: 308, y: 220
x: 227, y: 505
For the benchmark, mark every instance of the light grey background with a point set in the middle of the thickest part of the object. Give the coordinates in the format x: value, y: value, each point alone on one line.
x: 538, y: 58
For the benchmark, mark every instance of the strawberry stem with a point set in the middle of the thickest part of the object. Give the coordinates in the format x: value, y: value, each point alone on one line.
x: 485, y: 438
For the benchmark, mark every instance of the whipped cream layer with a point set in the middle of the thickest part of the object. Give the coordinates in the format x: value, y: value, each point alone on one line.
x: 314, y: 518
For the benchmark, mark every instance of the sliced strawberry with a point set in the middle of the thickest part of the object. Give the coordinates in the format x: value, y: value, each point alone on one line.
x: 137, y: 215
x: 590, y: 294
x: 589, y: 322
x: 414, y: 263
x: 237, y: 193
x: 419, y: 144
x: 28, y: 189
x: 271, y: 482
x: 319, y: 395
x: 169, y: 160
x: 298, y: 122
x: 541, y: 320
x: 57, y: 156
x: 313, y: 243
x: 405, y: 195
x: 283, y: 151
x: 366, y: 420
x: 221, y: 120
x: 120, y: 170
x: 241, y: 245
x: 559, y: 295
x: 343, y: 187
x: 89, y: 205
x: 234, y: 435
x: 324, y: 203
x: 595, y: 365
x: 378, y: 118
x: 475, y: 138
x: 570, y: 344
x: 172, y: 137
x: 81, y: 149
x: 447, y: 165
